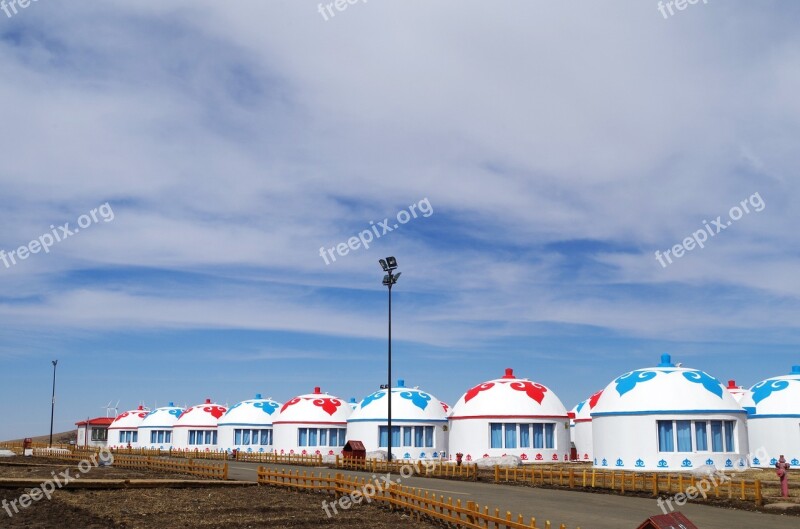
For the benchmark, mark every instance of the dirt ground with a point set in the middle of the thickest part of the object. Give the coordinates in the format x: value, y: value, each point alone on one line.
x: 251, y: 507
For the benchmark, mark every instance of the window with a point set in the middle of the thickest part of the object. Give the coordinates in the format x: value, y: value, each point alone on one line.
x: 701, y: 436
x: 323, y: 437
x: 411, y: 436
x: 202, y: 437
x: 510, y: 430
x: 721, y: 435
x: 99, y: 434
x: 684, y: 429
x: 666, y: 443
x: 729, y: 444
x: 716, y: 436
x: 160, y: 436
x: 128, y: 436
x: 496, y: 432
x: 252, y: 437
x: 522, y: 435
x: 319, y: 436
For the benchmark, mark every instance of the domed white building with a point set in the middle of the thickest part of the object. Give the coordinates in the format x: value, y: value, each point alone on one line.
x: 510, y: 416
x: 247, y: 426
x: 419, y: 423
x: 668, y: 418
x: 315, y: 423
x: 196, y: 428
x: 580, y: 426
x: 124, y: 431
x: 773, y: 417
x: 155, y: 431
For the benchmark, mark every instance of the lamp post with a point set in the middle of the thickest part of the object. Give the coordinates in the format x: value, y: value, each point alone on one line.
x: 389, y: 265
x: 53, y: 404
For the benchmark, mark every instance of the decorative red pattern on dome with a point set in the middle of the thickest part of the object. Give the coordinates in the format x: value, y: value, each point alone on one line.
x: 524, y: 457
x: 534, y: 391
x: 290, y: 403
x: 477, y: 389
x: 555, y: 457
x: 215, y: 411
x: 185, y: 412
x: 445, y: 406
x: 539, y: 457
x: 329, y: 406
x: 594, y: 398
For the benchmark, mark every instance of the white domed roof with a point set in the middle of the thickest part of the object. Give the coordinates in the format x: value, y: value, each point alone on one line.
x: 583, y: 410
x: 408, y: 404
x: 202, y: 416
x: 314, y: 407
x: 509, y: 396
x: 129, y: 419
x: 257, y: 411
x: 165, y: 417
x: 775, y: 396
x: 665, y: 388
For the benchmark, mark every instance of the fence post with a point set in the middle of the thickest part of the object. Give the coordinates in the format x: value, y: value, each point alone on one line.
x: 496, y: 474
x: 759, y: 499
x: 571, y: 478
x: 225, y: 473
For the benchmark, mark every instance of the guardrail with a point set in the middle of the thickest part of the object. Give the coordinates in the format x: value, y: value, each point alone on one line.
x: 280, y: 459
x: 655, y: 483
x: 190, y: 467
x: 440, y: 469
x: 416, y: 502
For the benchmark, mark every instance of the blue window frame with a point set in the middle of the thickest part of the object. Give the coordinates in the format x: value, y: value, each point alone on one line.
x: 666, y: 441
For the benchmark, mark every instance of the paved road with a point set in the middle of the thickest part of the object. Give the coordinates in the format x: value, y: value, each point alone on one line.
x: 576, y: 509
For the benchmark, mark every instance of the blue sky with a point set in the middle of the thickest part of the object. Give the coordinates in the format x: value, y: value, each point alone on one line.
x: 558, y: 144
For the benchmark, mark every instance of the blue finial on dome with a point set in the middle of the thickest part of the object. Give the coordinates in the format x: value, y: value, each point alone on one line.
x: 353, y: 400
x: 666, y: 361
x: 401, y: 383
x: 258, y: 396
x: 171, y: 404
x: 796, y: 370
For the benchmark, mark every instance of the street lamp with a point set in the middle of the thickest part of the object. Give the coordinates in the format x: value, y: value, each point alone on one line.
x: 53, y: 404
x: 389, y: 265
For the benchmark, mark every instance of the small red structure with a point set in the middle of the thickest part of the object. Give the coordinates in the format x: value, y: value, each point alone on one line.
x: 674, y: 520
x: 354, y: 450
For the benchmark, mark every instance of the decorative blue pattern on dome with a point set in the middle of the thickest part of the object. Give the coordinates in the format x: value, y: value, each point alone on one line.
x: 710, y: 383
x: 375, y: 396
x: 620, y: 463
x: 709, y: 461
x: 728, y: 463
x: 686, y: 463
x: 176, y: 412
x: 406, y: 456
x: 773, y: 461
x: 756, y: 461
x: 764, y: 389
x: 231, y: 408
x: 605, y: 462
x: 628, y: 381
x: 578, y: 409
x: 417, y: 398
x: 795, y: 461
x: 639, y: 463
x: 422, y: 454
x: 266, y: 406
x: 662, y: 464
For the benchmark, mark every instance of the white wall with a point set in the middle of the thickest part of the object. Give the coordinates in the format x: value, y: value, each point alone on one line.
x: 472, y: 438
x: 368, y: 433
x: 769, y: 438
x: 631, y: 438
